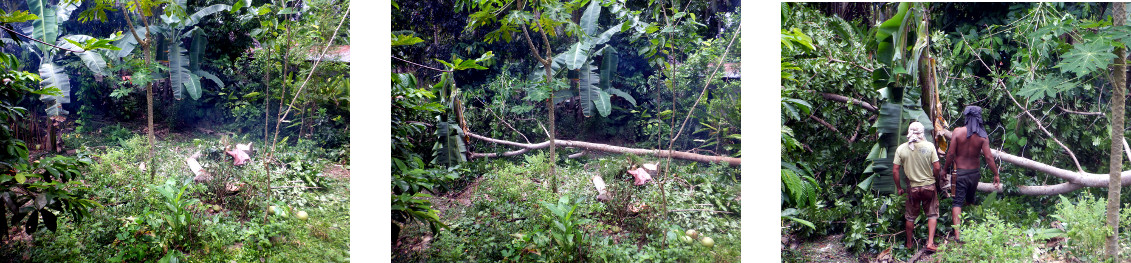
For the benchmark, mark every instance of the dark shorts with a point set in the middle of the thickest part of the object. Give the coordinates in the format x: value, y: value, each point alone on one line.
x: 923, y: 199
x: 967, y: 185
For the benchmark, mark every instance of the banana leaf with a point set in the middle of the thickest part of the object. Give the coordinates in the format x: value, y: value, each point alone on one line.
x: 196, y: 49
x: 209, y: 76
x: 577, y: 55
x: 602, y: 103
x: 609, y: 63
x: 201, y: 13
x: 622, y: 94
x: 449, y: 150
x: 179, y: 75
x: 92, y: 60
x: 589, y: 17
x: 64, y: 10
x: 46, y: 28
x: 588, y: 91
x: 128, y: 42
x: 53, y: 76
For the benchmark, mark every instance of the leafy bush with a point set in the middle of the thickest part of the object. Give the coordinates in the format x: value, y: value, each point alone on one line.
x: 565, y: 229
x: 1085, y: 224
x: 991, y: 241
x: 176, y: 225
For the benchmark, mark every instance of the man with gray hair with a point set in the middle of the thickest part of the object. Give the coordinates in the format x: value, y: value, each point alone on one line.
x: 921, y: 164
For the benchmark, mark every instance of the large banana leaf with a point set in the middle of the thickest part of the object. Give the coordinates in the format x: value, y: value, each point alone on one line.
x: 609, y: 62
x: 209, y: 76
x: 201, y: 13
x: 53, y: 76
x: 588, y: 89
x: 196, y: 49
x: 602, y: 103
x: 128, y: 43
x: 577, y: 55
x: 46, y: 28
x: 92, y: 60
x: 64, y: 10
x: 622, y: 94
x: 179, y: 75
x: 608, y: 34
x: 449, y: 150
x: 589, y: 17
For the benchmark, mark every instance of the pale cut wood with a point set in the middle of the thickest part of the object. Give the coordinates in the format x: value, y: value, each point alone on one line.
x: 601, y: 147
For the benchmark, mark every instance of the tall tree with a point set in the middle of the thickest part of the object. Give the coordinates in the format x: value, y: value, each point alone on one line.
x: 1119, y: 93
x: 547, y: 18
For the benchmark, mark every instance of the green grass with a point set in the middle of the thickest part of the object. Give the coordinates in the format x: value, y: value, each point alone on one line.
x: 506, y: 204
x: 233, y: 234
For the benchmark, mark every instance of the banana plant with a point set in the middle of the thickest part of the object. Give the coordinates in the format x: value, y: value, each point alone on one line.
x: 450, y: 148
x: 595, y: 82
x: 174, y: 28
x: 46, y: 29
x: 898, y: 109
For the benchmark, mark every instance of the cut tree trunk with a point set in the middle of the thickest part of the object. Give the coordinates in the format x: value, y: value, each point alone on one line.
x: 1075, y: 180
x: 601, y: 147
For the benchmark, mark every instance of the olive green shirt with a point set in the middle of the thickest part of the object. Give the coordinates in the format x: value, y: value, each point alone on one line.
x: 917, y: 163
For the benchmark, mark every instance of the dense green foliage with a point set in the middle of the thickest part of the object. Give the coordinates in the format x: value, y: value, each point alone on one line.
x: 619, y: 73
x: 1052, y: 58
x: 246, y: 67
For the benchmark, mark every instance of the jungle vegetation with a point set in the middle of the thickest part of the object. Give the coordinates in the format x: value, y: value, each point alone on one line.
x: 566, y: 131
x: 1051, y: 78
x: 127, y: 124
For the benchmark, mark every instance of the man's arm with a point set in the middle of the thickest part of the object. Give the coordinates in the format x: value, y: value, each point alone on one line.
x: 949, y: 157
x: 986, y: 153
x: 895, y: 175
x: 937, y: 170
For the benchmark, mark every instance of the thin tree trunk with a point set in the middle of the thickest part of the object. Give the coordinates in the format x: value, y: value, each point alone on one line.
x: 51, y: 147
x: 266, y: 123
x: 1119, y: 93
x: 547, y: 63
x: 145, y: 46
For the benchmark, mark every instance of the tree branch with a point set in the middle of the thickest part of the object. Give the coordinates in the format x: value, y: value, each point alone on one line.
x: 1023, y: 109
x: 1088, y: 113
x: 419, y: 65
x: 842, y: 98
x: 853, y: 63
x: 603, y: 148
x: 704, y: 92
x: 41, y: 41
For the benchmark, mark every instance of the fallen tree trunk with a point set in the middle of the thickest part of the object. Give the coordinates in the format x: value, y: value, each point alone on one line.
x: 1076, y: 180
x: 600, y: 147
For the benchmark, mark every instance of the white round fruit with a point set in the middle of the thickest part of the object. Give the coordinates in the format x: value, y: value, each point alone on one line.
x: 271, y: 210
x: 686, y: 239
x: 692, y: 233
x: 302, y: 215
x: 707, y: 242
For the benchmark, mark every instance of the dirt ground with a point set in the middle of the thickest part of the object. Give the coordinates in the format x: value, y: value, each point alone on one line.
x: 831, y: 249
x: 412, y: 246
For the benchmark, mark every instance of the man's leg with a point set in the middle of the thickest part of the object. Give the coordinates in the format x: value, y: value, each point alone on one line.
x: 931, y: 233
x: 908, y: 227
x: 932, y: 218
x: 956, y: 215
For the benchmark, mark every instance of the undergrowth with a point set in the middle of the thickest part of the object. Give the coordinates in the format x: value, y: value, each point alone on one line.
x: 512, y: 215
x: 169, y: 216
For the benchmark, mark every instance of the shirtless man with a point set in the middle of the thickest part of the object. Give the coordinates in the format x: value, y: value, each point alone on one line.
x: 963, y: 154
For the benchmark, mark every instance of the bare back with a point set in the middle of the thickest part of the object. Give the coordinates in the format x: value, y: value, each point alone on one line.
x: 964, y: 152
